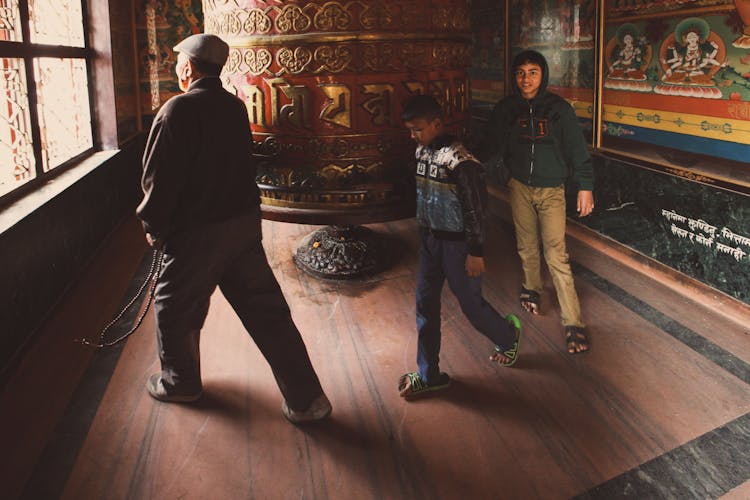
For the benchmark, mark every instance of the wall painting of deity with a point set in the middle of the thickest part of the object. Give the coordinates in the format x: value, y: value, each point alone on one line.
x: 161, y: 24
x: 676, y: 82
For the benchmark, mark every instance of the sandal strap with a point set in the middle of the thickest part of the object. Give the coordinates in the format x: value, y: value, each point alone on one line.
x: 512, y: 352
x: 416, y: 386
x: 529, y: 296
x: 415, y: 381
x: 570, y: 331
x: 575, y: 335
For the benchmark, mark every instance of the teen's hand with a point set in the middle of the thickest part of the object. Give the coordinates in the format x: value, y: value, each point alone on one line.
x: 474, y: 266
x: 585, y: 203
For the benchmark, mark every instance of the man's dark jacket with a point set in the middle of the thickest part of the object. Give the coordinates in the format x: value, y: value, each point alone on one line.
x: 197, y: 166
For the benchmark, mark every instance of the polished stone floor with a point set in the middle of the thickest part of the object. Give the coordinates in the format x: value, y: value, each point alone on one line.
x: 660, y: 407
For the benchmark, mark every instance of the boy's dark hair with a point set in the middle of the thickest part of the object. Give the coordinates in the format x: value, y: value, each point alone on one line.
x: 421, y: 106
x: 206, y: 68
x: 529, y: 57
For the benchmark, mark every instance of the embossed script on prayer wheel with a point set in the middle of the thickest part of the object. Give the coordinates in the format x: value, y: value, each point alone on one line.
x: 324, y: 83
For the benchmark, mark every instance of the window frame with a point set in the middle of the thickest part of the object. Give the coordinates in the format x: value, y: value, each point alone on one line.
x: 100, y: 93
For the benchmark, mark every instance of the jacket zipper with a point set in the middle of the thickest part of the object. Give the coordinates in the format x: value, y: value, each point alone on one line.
x: 533, y: 140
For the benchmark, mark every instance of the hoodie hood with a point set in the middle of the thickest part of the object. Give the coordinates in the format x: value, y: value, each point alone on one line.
x: 530, y: 56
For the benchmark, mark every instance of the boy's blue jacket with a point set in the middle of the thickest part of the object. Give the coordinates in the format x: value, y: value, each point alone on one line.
x: 451, y: 193
x: 539, y: 140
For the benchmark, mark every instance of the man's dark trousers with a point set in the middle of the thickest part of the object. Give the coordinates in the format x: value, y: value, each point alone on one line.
x: 228, y: 254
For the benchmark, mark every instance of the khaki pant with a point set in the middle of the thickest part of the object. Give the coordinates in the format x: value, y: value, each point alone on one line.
x: 541, y: 211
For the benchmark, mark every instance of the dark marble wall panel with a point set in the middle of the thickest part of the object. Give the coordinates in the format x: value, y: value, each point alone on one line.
x: 697, y: 229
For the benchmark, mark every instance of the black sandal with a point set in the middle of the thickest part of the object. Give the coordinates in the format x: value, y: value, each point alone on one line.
x: 529, y: 300
x: 576, y: 340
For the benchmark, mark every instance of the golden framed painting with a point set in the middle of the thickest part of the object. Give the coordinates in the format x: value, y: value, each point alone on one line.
x: 675, y: 82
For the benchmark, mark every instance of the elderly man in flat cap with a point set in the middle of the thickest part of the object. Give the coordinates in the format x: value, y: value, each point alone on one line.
x: 201, y: 206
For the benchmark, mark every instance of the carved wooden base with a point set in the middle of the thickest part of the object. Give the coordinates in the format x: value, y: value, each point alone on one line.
x: 339, y: 252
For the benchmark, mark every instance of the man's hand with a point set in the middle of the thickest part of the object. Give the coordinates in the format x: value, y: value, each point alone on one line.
x: 474, y: 266
x: 585, y: 203
x: 154, y: 243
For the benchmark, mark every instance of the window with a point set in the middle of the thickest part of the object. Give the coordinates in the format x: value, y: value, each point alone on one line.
x: 45, y: 99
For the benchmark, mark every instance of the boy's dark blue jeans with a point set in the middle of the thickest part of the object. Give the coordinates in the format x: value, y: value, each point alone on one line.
x: 440, y: 260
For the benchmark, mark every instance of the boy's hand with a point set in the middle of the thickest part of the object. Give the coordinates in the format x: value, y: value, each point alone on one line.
x: 585, y: 203
x: 474, y: 266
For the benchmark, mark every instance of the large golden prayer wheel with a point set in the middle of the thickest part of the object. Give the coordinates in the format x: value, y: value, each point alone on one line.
x: 324, y: 83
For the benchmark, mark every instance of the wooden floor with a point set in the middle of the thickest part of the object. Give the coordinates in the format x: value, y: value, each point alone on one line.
x: 648, y: 407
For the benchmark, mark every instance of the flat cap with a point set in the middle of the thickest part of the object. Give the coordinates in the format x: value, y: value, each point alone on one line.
x: 204, y: 47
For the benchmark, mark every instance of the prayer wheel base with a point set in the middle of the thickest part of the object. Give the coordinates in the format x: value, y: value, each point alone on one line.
x: 348, y: 217
x: 340, y: 252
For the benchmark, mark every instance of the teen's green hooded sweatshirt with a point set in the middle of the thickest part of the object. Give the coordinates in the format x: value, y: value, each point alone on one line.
x: 539, y: 140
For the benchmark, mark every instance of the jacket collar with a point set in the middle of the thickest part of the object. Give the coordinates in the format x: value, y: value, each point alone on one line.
x: 442, y: 141
x: 207, y: 82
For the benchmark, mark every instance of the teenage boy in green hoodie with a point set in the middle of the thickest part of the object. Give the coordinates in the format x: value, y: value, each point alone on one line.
x: 538, y: 137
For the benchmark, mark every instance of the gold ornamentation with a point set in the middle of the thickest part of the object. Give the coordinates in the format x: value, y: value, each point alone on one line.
x: 441, y: 18
x: 211, y: 4
x: 257, y: 22
x: 461, y: 95
x: 255, y: 104
x: 298, y: 112
x: 414, y: 87
x: 292, y: 19
x: 378, y: 57
x: 336, y: 175
x: 294, y: 61
x: 413, y: 55
x: 333, y: 59
x: 441, y: 55
x: 258, y: 61
x: 332, y: 17
x: 376, y: 16
x: 413, y: 18
x: 229, y: 23
x: 339, y: 109
x: 233, y: 61
x: 440, y: 90
x: 380, y: 106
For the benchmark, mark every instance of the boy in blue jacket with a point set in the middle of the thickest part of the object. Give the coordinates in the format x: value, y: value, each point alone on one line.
x: 451, y: 206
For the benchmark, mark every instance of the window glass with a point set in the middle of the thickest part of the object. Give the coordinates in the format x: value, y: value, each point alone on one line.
x: 17, y: 164
x: 10, y: 27
x: 56, y: 22
x: 64, y: 111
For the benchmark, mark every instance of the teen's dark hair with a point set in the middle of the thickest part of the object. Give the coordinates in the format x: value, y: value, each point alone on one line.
x: 421, y: 106
x: 206, y: 68
x: 529, y: 57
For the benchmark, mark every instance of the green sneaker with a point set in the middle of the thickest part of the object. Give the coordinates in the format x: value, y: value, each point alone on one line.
x: 411, y: 385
